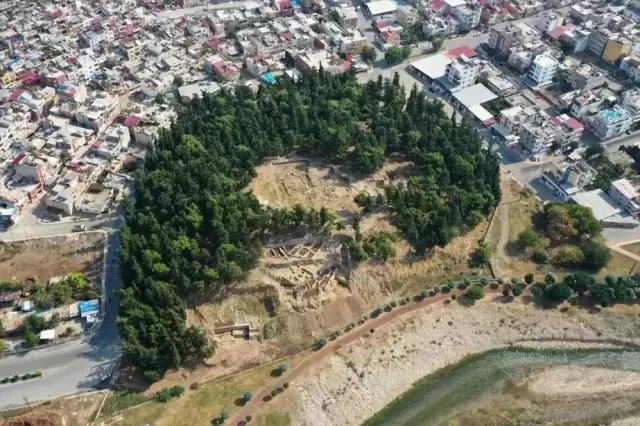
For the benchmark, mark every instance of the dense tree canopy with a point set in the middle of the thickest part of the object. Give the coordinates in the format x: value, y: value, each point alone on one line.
x: 193, y: 227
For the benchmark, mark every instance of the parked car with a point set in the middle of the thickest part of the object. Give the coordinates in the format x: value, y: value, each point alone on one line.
x: 79, y: 228
x: 104, y: 382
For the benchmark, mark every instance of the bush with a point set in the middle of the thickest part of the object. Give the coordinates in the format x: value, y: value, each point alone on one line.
x: 436, y: 289
x: 476, y: 292
x: 540, y: 256
x: 549, y: 279
x: 286, y: 385
x: 224, y: 416
x: 194, y: 385
x: 5, y: 380
x: 164, y: 395
x: 321, y: 343
x: 494, y: 286
x: 424, y: 294
x: 558, y: 292
x: 372, y: 330
x: 517, y: 291
x: 274, y: 393
x: 484, y: 281
x: 15, y: 378
x: 596, y: 255
x: 247, y: 419
x: 528, y: 238
x: 528, y: 278
x: 454, y: 297
x: 505, y: 292
x: 26, y: 376
x: 445, y: 289
x: 394, y: 304
x: 247, y: 396
x: 38, y: 373
x: 283, y: 368
x: 176, y: 391
x: 451, y: 284
x: 500, y: 280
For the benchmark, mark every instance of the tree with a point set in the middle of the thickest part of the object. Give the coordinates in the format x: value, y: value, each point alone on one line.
x: 178, y: 81
x: 517, y: 291
x: 602, y: 293
x: 557, y: 292
x: 437, y: 44
x: 283, y: 368
x: 549, y: 279
x: 594, y: 150
x: 579, y: 282
x: 65, y: 157
x: 481, y: 256
x: 528, y: 278
x: 476, y: 292
x: 528, y: 238
x: 369, y: 54
x: 596, y: 255
x: 159, y: 98
x: 224, y: 416
x: 395, y: 55
x: 31, y: 339
x: 568, y: 255
x: 247, y: 396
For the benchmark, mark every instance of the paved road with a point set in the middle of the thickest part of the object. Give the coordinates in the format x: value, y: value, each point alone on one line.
x: 75, y: 366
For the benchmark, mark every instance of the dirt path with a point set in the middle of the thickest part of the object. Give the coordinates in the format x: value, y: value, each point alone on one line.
x: 332, y: 347
x: 625, y: 252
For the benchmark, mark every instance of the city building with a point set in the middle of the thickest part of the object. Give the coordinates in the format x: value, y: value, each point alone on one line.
x: 618, y: 46
x: 466, y: 11
x: 543, y: 69
x: 626, y: 196
x: 382, y: 9
x: 585, y: 77
x: 630, y: 100
x: 567, y: 178
x: 630, y: 66
x: 407, y: 16
x: 347, y: 17
x: 575, y: 40
x: 610, y: 122
x: 462, y: 72
x: 511, y: 36
x: 100, y: 109
x: 549, y: 21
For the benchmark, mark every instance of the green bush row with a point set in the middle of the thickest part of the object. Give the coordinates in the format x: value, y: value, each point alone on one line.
x: 27, y: 376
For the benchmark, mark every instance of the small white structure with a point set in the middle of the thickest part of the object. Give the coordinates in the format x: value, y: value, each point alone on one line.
x: 48, y: 335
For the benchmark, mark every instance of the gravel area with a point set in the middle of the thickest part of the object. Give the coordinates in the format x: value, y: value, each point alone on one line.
x: 360, y: 379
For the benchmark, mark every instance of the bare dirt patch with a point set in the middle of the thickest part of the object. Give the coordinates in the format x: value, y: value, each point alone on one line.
x: 43, y: 258
x: 576, y: 381
x: 76, y: 411
x: 296, y: 180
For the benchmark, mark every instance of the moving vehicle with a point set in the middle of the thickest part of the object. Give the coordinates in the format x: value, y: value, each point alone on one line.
x: 79, y: 228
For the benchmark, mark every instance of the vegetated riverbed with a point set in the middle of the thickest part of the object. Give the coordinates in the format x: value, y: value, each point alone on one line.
x: 522, y: 386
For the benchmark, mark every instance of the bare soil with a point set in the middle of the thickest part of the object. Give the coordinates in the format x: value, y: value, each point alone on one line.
x: 76, y: 411
x: 576, y: 381
x: 43, y: 258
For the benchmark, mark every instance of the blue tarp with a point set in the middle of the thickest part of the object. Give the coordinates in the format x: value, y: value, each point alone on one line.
x: 89, y: 307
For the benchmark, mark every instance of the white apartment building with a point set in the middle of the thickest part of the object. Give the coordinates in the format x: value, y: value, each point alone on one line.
x: 543, y: 69
x: 626, y: 196
x: 548, y: 21
x: 462, y: 72
x: 631, y: 67
x: 610, y: 122
x: 466, y: 11
x: 630, y: 100
x: 98, y: 111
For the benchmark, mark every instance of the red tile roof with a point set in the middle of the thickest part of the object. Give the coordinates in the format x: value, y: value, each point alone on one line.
x: 132, y: 121
x: 19, y: 158
x: 558, y: 31
x: 15, y: 95
x: 574, y: 124
x: 459, y: 51
x: 437, y: 5
x: 287, y: 36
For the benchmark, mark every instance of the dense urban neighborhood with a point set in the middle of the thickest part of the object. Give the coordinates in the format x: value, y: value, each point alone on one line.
x: 223, y: 201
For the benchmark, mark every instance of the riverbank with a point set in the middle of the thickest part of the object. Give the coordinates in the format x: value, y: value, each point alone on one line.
x: 362, y: 378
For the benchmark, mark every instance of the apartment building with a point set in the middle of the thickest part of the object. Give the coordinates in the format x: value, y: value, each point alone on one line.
x: 630, y: 100
x: 631, y: 67
x: 100, y: 109
x: 610, y: 122
x: 510, y: 36
x: 585, y: 77
x: 466, y: 11
x: 549, y: 21
x: 623, y: 193
x: 543, y: 69
x: 566, y: 178
x: 462, y: 72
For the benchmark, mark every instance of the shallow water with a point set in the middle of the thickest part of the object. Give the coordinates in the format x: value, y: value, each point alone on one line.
x: 436, y: 398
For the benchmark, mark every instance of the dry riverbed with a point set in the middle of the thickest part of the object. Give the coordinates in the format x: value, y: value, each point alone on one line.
x: 360, y: 379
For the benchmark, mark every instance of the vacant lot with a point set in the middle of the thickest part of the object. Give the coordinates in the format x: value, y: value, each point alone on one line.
x: 44, y: 258
x: 77, y: 411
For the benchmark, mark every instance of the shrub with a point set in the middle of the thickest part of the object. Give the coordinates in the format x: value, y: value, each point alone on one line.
x: 500, y: 280
x: 558, y: 292
x: 321, y: 343
x: 494, y: 286
x: 248, y: 418
x: 164, y: 395
x: 424, y: 294
x: 274, y: 393
x: 283, y: 368
x: 432, y: 293
x: 462, y: 286
x: 15, y: 378
x: 224, y: 415
x: 286, y: 385
x: 505, y: 292
x: 517, y: 291
x: 5, y: 380
x: 484, y: 281
x: 550, y: 279
x: 38, y: 373
x: 454, y: 297
x: 372, y: 330
x: 195, y: 385
x: 26, y: 376
x: 394, y: 304
x: 528, y: 238
x: 540, y: 256
x: 176, y: 391
x: 528, y: 278
x: 445, y: 289
x: 451, y: 284
x: 596, y: 255
x: 436, y: 289
x: 247, y: 396
x: 476, y: 292
x: 467, y: 282
x: 514, y: 281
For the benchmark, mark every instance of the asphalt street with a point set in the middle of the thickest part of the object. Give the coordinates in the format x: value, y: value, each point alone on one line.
x: 76, y: 366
